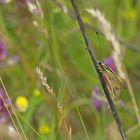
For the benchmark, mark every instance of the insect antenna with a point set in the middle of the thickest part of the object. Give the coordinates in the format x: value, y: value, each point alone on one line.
x: 101, y: 54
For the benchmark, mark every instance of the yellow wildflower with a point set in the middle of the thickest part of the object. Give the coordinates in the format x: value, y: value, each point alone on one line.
x: 36, y: 92
x: 44, y: 129
x: 132, y: 13
x: 22, y: 103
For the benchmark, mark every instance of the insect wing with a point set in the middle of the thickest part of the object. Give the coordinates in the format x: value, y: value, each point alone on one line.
x: 115, y: 83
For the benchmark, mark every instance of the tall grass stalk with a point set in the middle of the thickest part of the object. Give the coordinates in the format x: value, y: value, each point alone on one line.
x: 94, y: 61
x: 11, y: 105
x: 59, y: 106
x: 117, y: 55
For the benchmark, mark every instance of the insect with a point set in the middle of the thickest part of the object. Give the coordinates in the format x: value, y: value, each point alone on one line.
x: 114, y: 82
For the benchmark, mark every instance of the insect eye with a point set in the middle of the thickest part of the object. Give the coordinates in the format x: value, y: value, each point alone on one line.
x: 107, y: 67
x: 99, y: 62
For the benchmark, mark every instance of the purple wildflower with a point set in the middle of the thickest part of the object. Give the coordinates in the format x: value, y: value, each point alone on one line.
x: 3, y: 50
x: 110, y: 63
x: 34, y: 7
x: 10, y: 61
x: 4, y: 105
x: 96, y: 102
x: 5, y: 1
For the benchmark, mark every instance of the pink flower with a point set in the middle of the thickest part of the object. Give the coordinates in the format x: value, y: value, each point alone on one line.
x: 4, y: 105
x: 3, y: 50
x: 110, y: 63
x: 96, y: 102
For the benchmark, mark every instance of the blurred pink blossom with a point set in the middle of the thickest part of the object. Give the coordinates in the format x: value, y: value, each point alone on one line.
x: 109, y: 61
x: 3, y: 50
x: 4, y: 106
x: 96, y: 102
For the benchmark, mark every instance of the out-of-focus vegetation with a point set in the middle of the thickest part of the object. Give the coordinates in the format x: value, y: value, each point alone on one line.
x: 45, y: 34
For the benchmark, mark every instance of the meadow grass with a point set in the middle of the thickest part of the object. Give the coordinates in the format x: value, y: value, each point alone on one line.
x: 45, y: 34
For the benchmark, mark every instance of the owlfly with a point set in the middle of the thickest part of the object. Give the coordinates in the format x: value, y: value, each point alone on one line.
x: 114, y: 82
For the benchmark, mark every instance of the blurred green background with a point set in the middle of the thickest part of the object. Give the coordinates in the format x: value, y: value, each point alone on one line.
x: 45, y: 34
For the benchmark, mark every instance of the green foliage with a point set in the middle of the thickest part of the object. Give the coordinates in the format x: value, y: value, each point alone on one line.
x: 55, y: 44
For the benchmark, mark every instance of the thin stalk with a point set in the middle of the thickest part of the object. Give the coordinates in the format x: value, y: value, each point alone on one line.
x: 11, y: 105
x: 94, y: 61
x: 136, y: 109
x: 124, y: 44
x: 58, y: 106
x: 81, y: 119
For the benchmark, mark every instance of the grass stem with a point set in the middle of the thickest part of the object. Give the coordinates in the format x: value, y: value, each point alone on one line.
x: 94, y: 61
